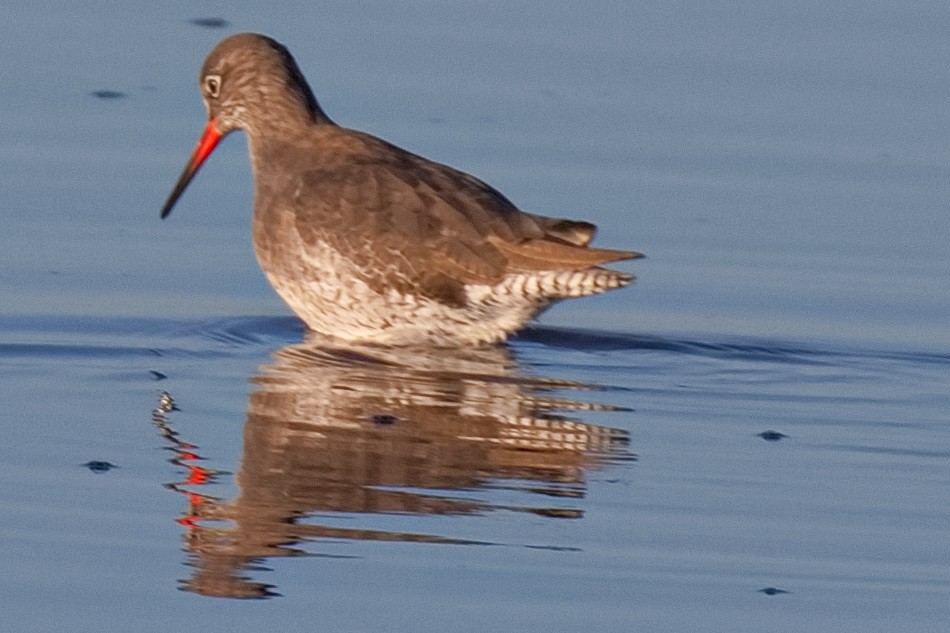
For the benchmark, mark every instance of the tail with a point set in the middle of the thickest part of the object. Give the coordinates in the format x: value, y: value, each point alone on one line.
x: 546, y: 255
x: 561, y: 265
x: 582, y: 283
x: 563, y: 284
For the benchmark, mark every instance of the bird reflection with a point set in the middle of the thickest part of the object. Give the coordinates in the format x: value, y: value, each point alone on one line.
x: 334, y: 433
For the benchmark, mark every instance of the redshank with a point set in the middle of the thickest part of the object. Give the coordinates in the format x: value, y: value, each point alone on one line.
x: 368, y: 242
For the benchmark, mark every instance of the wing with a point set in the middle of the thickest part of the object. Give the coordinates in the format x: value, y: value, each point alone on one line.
x: 420, y: 226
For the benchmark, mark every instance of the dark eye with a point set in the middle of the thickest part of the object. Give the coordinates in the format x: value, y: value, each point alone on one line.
x: 212, y: 85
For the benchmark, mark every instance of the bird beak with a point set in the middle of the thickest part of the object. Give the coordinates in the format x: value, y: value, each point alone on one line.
x: 206, y: 144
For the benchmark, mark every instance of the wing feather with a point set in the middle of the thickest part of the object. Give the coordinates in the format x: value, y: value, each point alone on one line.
x: 420, y: 226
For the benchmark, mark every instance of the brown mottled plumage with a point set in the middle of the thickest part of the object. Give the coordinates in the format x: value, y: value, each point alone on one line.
x: 366, y: 241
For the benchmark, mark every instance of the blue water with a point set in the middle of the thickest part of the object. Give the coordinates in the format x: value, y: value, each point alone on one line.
x: 783, y: 168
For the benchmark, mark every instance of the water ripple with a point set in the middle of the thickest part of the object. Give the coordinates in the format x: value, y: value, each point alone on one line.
x: 807, y: 352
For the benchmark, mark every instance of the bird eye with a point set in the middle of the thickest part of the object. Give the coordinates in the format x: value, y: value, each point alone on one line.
x: 212, y: 85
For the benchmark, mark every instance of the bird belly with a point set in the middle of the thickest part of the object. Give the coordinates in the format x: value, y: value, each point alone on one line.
x: 329, y: 293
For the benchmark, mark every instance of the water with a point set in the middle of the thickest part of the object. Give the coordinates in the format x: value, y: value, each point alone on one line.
x: 784, y: 170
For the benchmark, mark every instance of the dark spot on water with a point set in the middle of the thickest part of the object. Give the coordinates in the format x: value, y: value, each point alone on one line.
x: 157, y: 374
x: 771, y: 436
x: 155, y: 351
x: 384, y: 419
x: 772, y: 591
x: 209, y: 23
x: 98, y: 466
x: 556, y: 513
x: 108, y: 94
x: 55, y: 273
x: 555, y: 548
x: 438, y: 120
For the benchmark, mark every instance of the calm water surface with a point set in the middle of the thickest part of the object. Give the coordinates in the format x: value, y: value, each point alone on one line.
x: 766, y: 409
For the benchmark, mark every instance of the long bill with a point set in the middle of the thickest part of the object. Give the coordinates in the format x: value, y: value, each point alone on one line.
x: 206, y: 144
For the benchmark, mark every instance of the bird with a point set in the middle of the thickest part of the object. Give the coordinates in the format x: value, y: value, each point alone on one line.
x: 370, y: 243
